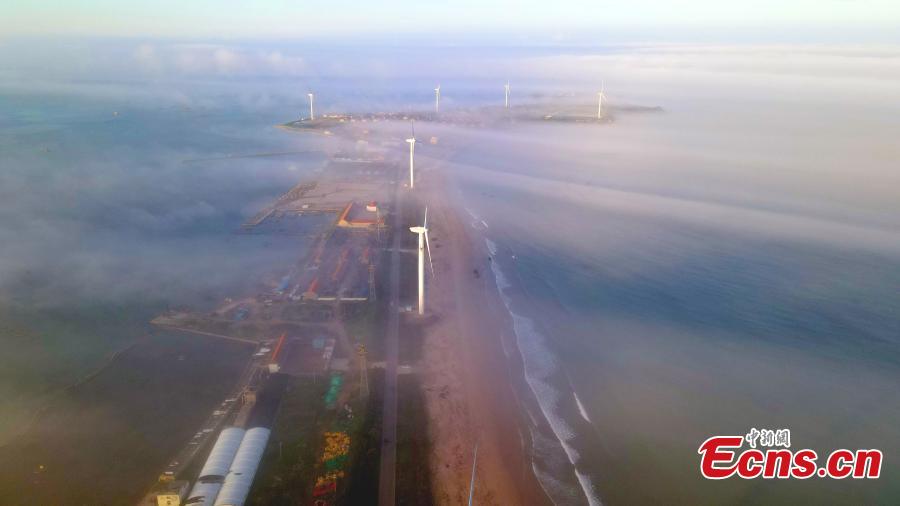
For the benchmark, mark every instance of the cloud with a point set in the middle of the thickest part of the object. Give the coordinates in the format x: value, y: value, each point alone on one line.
x: 147, y: 58
x: 179, y: 59
x: 104, y: 216
x: 287, y: 65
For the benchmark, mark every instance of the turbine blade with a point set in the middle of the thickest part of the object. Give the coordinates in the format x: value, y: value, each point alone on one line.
x: 413, y: 125
x: 427, y: 243
x: 428, y: 247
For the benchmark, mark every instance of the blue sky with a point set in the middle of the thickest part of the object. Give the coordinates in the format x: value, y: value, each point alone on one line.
x: 559, y: 19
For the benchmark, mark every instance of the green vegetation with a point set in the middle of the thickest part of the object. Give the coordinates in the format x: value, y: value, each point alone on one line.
x: 287, y: 470
x: 361, y: 485
x: 293, y: 460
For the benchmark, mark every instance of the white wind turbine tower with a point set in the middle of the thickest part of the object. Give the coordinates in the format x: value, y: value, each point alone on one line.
x: 412, y: 150
x: 600, y: 97
x: 437, y: 99
x: 312, y: 115
x: 423, y: 244
x: 506, y: 95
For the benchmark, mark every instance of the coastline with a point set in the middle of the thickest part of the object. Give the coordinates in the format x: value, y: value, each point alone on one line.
x: 469, y: 370
x: 552, y: 431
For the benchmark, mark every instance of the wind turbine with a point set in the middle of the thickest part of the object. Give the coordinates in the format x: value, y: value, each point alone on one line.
x: 437, y: 99
x: 312, y: 115
x: 600, y: 101
x: 506, y: 95
x: 412, y: 150
x: 423, y: 243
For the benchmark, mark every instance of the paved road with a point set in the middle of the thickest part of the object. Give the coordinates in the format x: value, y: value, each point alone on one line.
x: 388, y: 470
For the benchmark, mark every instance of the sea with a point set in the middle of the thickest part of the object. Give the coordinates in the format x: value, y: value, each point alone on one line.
x: 727, y: 263
x: 722, y: 254
x: 117, y: 206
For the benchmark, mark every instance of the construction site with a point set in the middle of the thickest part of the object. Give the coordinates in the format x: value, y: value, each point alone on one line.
x: 344, y: 213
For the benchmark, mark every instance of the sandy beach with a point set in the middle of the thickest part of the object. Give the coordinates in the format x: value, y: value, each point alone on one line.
x: 467, y: 376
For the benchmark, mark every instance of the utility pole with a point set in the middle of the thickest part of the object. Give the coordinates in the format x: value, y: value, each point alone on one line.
x: 363, y: 371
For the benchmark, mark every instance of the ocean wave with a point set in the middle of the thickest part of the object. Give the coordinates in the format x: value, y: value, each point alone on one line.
x: 552, y: 464
x: 476, y: 220
x: 540, y: 365
x: 491, y: 246
x: 581, y: 408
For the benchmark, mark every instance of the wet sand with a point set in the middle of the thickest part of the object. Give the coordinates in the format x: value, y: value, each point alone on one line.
x: 467, y: 376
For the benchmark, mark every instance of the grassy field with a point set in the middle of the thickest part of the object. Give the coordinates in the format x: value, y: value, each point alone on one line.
x: 104, y: 441
x: 287, y: 470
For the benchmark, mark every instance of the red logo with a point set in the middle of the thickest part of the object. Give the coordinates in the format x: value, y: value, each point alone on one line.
x: 721, y: 458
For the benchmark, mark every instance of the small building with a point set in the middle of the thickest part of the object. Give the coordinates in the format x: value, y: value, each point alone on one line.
x: 172, y: 493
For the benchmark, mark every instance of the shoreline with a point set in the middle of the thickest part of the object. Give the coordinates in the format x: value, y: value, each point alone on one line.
x: 537, y: 377
x: 470, y: 379
x: 554, y: 457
